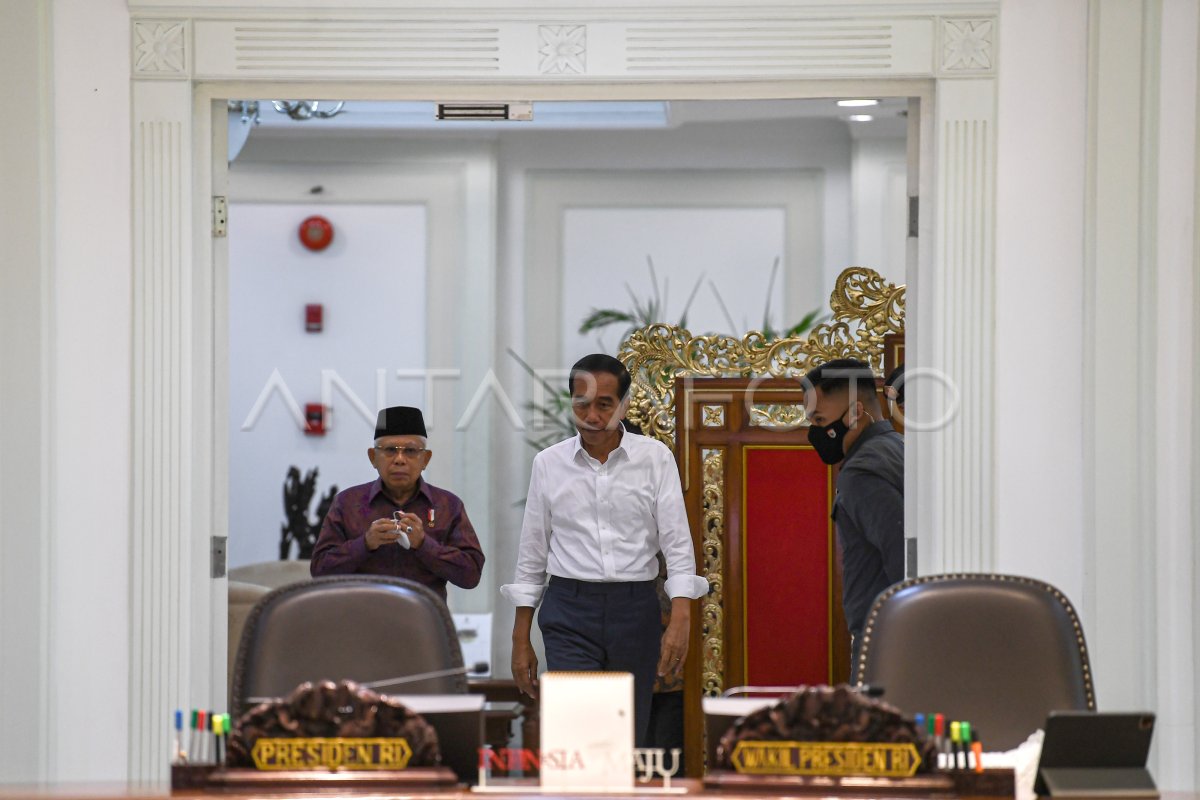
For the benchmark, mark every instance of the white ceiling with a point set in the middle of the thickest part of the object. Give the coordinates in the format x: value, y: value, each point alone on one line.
x: 420, y: 118
x: 888, y: 116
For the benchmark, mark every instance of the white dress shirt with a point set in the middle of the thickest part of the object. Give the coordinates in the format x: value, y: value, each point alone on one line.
x: 604, y: 522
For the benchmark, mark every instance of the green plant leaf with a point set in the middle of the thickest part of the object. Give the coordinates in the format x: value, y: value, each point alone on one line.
x: 603, y: 317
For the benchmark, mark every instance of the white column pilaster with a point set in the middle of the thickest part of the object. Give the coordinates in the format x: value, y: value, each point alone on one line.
x: 169, y: 565
x: 1118, y: 380
x: 962, y: 319
x: 1173, y: 325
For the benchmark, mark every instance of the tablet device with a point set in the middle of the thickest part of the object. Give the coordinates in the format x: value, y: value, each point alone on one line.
x: 1093, y: 754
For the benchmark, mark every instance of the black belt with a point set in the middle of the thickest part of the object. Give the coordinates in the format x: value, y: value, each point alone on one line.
x: 600, y: 587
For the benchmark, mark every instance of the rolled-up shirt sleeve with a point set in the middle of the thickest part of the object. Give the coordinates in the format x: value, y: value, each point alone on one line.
x: 674, y: 534
x: 534, y: 548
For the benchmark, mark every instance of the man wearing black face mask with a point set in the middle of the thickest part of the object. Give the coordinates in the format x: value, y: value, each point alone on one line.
x: 847, y: 427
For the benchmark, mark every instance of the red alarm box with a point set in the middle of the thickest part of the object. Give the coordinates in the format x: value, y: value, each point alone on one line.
x: 314, y: 419
x: 316, y: 233
x: 314, y: 317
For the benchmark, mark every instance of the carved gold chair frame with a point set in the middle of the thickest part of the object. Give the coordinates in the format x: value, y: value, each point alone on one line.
x: 866, y: 310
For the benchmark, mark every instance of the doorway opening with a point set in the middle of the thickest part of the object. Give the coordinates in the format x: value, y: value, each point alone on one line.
x: 471, y: 260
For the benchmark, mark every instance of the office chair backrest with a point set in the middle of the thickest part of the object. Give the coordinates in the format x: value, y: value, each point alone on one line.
x: 374, y: 630
x: 996, y: 650
x: 272, y: 574
x: 242, y: 599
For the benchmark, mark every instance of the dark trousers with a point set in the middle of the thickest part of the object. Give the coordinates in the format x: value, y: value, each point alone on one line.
x: 666, y: 726
x: 605, y: 627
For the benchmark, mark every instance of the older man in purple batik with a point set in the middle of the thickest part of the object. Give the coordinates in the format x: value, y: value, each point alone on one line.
x: 399, y: 525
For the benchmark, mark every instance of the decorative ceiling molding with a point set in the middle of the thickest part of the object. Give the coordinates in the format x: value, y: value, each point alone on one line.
x: 968, y: 45
x: 561, y: 11
x: 563, y: 49
x: 160, y: 49
x: 390, y: 41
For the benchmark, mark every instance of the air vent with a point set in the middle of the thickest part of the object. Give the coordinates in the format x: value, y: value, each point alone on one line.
x: 491, y: 112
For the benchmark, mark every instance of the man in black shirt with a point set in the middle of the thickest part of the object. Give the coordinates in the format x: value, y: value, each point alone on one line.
x: 847, y: 427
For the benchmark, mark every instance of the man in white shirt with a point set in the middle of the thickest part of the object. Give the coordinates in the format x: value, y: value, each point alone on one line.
x: 600, y: 506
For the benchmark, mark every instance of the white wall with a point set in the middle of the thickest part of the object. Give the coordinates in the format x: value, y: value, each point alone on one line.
x: 64, y: 354
x: 26, y: 267
x: 1040, y: 185
x: 819, y: 144
x: 91, y: 434
x: 371, y: 282
x: 1143, y: 181
x: 731, y: 249
x: 1096, y: 325
x: 879, y: 205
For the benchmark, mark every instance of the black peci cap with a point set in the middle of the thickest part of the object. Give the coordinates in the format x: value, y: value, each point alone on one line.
x: 400, y: 421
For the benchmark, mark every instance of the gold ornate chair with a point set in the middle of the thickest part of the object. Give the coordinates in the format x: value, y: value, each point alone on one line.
x: 393, y: 634
x: 732, y: 409
x: 997, y: 650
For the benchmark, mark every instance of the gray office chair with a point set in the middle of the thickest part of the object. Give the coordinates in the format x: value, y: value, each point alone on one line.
x: 996, y: 650
x: 392, y: 634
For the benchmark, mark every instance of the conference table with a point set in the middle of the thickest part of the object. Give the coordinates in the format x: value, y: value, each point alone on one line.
x: 118, y: 791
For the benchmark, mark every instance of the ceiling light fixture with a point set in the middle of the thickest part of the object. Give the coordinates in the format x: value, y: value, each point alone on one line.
x: 857, y: 103
x: 307, y: 109
x: 299, y: 110
x: 860, y: 118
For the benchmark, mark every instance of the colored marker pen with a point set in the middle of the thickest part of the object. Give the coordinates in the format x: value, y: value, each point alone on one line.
x: 202, y: 726
x: 218, y: 729
x: 212, y: 728
x: 977, y: 749
x: 191, y: 749
x: 939, y: 732
x: 965, y: 736
x: 919, y: 721
x: 177, y: 757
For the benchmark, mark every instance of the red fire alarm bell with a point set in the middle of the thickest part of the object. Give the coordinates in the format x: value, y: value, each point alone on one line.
x: 314, y: 315
x: 314, y: 419
x: 316, y: 233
